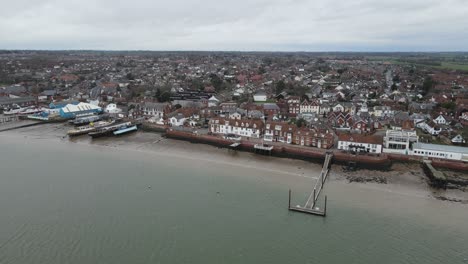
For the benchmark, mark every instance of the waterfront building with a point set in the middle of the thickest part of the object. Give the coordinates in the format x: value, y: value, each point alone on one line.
x: 112, y: 109
x: 279, y: 132
x: 399, y: 141
x: 360, y: 143
x: 313, y: 138
x: 71, y: 110
x: 243, y: 127
x: 177, y: 120
x: 440, y: 151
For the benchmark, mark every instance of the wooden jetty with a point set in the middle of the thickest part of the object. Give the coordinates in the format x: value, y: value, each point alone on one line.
x: 310, y: 205
x: 263, y: 149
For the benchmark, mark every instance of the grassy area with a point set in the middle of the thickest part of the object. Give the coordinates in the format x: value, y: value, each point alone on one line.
x: 453, y: 66
x: 444, y: 65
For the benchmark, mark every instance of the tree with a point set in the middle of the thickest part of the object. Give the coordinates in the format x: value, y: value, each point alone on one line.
x: 449, y: 105
x: 261, y: 70
x: 301, y: 122
x: 428, y: 84
x: 158, y: 93
x: 394, y: 87
x: 216, y: 82
x: 165, y: 97
x: 280, y: 86
x: 130, y: 76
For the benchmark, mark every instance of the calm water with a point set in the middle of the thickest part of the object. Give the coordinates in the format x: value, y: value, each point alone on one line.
x: 62, y: 203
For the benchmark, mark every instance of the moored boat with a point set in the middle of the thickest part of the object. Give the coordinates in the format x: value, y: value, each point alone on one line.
x: 81, y: 130
x: 125, y: 129
x: 108, y: 130
x: 30, y: 111
x: 13, y: 111
x: 85, y: 120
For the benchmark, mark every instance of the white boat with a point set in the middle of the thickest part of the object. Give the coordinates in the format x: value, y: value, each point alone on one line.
x: 23, y: 111
x: 30, y: 111
x: 14, y: 111
x: 125, y: 129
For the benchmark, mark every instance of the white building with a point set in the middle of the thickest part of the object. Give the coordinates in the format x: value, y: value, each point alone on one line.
x: 177, y: 120
x: 155, y: 110
x: 381, y: 111
x: 430, y: 128
x: 440, y: 151
x: 440, y: 120
x: 360, y: 143
x: 338, y: 108
x: 243, y: 127
x: 213, y: 101
x: 399, y: 141
x: 260, y: 96
x: 458, y: 139
x: 112, y: 109
x: 309, y: 107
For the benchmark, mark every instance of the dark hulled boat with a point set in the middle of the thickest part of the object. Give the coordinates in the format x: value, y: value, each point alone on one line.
x: 108, y: 130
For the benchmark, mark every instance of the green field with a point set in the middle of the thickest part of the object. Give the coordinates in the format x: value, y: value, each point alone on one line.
x: 444, y: 65
x: 453, y: 66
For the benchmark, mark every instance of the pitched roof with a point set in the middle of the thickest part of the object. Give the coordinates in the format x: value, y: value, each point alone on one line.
x: 360, y: 138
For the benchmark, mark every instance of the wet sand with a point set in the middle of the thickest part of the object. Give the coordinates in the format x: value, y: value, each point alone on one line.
x: 403, y: 179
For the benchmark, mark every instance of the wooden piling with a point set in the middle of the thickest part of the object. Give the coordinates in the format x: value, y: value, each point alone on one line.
x: 315, y: 199
x: 325, y: 207
x: 289, y: 203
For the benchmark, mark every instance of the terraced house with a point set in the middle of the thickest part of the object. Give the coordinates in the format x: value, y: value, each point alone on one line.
x: 243, y: 127
x: 313, y: 138
x: 310, y: 107
x: 279, y: 132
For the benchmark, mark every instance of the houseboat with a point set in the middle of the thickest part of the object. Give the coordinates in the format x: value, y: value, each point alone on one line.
x: 85, y: 120
x: 108, y: 130
x: 81, y: 130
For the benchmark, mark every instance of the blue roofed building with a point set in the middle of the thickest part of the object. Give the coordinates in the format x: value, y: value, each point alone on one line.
x: 72, y: 111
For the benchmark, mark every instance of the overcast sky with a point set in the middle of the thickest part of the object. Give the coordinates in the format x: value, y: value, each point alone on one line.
x: 265, y: 25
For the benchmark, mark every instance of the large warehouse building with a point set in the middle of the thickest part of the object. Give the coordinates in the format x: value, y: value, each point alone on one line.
x: 71, y: 110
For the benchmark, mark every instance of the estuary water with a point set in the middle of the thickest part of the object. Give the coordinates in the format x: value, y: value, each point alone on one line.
x: 62, y: 202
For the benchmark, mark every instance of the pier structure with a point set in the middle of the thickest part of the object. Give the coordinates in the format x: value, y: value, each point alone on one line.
x: 263, y: 149
x: 310, y: 205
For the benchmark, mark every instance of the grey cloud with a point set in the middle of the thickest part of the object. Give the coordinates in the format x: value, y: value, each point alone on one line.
x: 235, y: 25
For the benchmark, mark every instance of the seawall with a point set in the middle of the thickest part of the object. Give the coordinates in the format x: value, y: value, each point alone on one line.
x: 380, y: 162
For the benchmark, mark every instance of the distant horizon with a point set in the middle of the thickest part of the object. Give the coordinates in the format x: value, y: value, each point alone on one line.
x: 236, y: 51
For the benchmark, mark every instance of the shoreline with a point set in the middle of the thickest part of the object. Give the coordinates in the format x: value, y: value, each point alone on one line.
x: 402, y: 179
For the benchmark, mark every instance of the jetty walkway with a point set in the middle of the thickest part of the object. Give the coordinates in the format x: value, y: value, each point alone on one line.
x: 310, y: 205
